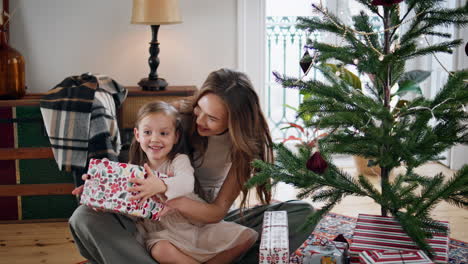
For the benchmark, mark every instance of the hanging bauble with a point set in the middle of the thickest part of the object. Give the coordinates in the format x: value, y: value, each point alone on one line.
x: 385, y: 2
x: 316, y: 163
x: 305, y: 61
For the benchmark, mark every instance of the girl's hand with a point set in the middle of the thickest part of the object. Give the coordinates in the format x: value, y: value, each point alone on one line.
x: 79, y: 190
x: 146, y: 188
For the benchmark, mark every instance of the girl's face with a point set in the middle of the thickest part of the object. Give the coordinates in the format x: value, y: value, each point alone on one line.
x: 157, y: 135
x: 212, y: 115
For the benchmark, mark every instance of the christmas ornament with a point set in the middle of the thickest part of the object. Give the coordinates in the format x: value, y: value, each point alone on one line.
x: 305, y: 61
x: 381, y: 57
x: 433, y: 122
x: 316, y: 163
x: 356, y: 61
x: 385, y: 2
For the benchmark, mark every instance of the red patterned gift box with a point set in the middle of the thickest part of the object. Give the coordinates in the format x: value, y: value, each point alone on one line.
x: 379, y: 233
x: 274, y: 246
x: 107, y: 189
x: 394, y: 257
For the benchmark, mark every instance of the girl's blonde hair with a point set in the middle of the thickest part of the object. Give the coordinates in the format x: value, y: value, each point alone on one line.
x: 136, y: 154
x: 247, y: 127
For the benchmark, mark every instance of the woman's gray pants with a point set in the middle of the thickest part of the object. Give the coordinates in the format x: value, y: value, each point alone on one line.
x: 108, y: 238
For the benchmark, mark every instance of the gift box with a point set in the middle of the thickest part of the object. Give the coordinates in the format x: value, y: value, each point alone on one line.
x: 379, y: 233
x: 394, y: 256
x: 274, y: 245
x: 325, y: 251
x: 107, y: 189
x: 317, y: 249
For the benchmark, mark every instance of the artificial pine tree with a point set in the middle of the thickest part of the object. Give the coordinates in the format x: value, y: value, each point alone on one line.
x: 373, y: 122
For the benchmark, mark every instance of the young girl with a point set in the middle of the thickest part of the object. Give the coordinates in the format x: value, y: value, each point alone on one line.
x: 158, y: 145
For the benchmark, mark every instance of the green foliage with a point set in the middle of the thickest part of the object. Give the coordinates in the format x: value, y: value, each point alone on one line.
x: 373, y: 121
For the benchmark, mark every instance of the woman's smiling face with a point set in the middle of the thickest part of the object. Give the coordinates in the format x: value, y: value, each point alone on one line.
x: 212, y: 115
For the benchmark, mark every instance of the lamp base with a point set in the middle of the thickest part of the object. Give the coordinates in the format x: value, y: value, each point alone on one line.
x: 147, y: 84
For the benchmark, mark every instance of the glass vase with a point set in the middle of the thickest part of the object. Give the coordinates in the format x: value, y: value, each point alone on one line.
x: 12, y: 71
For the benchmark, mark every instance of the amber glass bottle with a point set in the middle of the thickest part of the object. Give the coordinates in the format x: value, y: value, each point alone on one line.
x: 12, y: 75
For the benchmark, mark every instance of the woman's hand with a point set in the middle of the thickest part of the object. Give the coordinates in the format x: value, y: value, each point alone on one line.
x: 146, y: 188
x: 79, y: 190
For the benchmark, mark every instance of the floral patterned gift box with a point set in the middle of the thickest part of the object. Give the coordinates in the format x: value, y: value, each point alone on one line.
x: 274, y: 245
x: 107, y: 189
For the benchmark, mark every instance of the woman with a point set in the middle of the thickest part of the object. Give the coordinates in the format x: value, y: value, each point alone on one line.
x: 227, y: 132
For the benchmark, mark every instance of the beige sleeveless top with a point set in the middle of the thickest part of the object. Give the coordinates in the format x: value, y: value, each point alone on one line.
x: 215, y: 165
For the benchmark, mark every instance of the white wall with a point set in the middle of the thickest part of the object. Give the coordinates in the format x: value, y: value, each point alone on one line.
x: 59, y: 38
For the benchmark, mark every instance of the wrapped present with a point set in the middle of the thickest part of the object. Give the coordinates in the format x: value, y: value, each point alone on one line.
x: 394, y: 256
x: 379, y: 233
x: 107, y: 189
x: 319, y: 250
x: 274, y: 245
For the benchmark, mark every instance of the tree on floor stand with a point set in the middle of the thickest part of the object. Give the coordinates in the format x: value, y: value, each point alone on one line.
x: 374, y: 121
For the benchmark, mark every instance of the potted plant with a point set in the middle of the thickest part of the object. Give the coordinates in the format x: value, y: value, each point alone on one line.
x: 376, y: 123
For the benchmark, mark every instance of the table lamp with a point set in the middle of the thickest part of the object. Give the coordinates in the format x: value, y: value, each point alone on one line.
x: 155, y: 13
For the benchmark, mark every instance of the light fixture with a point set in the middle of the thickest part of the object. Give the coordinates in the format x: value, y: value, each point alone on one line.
x: 155, y: 13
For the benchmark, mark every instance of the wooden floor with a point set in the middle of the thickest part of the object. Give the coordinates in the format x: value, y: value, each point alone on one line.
x: 37, y: 243
x: 53, y: 243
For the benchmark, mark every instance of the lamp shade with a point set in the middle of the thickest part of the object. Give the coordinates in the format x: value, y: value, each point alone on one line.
x: 156, y: 12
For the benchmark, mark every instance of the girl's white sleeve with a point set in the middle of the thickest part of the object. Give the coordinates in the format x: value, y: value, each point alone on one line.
x: 183, y: 181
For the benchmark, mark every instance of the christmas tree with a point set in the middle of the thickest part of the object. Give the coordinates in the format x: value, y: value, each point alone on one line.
x: 373, y: 121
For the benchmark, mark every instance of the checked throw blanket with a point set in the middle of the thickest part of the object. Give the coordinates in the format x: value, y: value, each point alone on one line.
x: 80, y: 118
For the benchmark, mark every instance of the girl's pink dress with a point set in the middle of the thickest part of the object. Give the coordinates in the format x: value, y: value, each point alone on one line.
x: 200, y: 241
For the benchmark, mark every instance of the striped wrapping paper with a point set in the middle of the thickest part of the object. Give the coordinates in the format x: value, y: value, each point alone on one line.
x: 394, y: 257
x: 274, y: 246
x: 379, y: 233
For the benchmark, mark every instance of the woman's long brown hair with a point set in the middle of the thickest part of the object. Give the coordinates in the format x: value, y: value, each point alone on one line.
x: 247, y: 127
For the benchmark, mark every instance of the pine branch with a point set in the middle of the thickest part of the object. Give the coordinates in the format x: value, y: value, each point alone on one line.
x: 411, y: 5
x: 414, y: 227
x: 457, y: 183
x: 374, y: 9
x: 445, y: 47
x: 315, y: 217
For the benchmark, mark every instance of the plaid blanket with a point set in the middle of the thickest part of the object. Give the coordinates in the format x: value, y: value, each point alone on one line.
x: 80, y: 118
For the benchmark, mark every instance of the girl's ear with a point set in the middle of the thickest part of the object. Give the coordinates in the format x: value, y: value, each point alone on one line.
x: 177, y: 137
x: 135, y: 133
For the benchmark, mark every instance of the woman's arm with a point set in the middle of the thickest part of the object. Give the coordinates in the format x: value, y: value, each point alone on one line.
x: 209, y: 213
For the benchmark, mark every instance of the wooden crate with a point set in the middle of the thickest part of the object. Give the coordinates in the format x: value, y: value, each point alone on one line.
x: 31, y: 186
